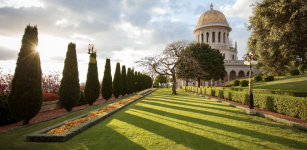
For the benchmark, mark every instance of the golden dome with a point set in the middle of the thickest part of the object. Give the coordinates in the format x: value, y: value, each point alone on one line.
x: 212, y: 18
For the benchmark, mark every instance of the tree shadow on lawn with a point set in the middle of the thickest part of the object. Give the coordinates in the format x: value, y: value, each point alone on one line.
x: 101, y: 136
x: 201, y: 105
x: 176, y: 135
x: 205, y: 112
x: 246, y: 132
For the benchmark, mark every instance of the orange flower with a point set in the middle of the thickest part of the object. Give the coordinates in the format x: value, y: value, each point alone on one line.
x: 74, y: 123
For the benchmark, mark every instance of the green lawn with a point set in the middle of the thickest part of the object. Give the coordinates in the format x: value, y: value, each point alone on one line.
x: 297, y: 83
x: 165, y: 121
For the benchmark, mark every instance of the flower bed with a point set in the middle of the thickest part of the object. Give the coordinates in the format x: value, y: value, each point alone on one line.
x: 50, y: 96
x: 74, y: 123
x: 76, y: 127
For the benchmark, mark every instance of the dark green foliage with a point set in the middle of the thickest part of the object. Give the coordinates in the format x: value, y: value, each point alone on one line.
x: 269, y: 78
x: 301, y: 68
x: 117, y: 82
x: 91, y: 89
x: 258, y: 78
x: 82, y: 100
x: 278, y: 34
x: 124, y: 81
x: 6, y: 116
x: 160, y: 79
x: 210, y: 91
x: 236, y: 83
x: 243, y: 83
x: 106, y: 88
x: 136, y: 81
x: 211, y: 62
x: 69, y: 91
x: 294, y: 72
x: 26, y: 95
x: 133, y: 81
x: 129, y: 81
x: 139, y: 81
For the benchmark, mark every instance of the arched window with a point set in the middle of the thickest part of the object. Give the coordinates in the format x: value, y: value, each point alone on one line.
x: 207, y: 37
x: 213, y: 37
x: 219, y: 37
x: 224, y: 37
x: 202, y: 38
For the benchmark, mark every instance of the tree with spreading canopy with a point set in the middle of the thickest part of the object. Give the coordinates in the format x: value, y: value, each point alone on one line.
x: 279, y: 33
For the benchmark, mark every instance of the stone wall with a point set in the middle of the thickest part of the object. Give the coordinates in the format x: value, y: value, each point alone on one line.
x: 50, y: 105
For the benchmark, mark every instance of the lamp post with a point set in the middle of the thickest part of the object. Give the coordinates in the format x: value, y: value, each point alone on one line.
x: 91, y: 47
x: 248, y: 61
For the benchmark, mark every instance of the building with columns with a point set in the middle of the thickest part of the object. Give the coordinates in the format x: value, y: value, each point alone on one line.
x: 212, y: 28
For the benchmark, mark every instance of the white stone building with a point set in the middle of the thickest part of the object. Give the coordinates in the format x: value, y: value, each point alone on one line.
x: 212, y: 28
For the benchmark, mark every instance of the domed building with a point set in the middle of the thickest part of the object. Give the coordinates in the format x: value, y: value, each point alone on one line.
x: 212, y: 28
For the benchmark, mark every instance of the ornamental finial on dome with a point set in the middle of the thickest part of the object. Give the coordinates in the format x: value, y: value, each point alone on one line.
x: 211, y: 6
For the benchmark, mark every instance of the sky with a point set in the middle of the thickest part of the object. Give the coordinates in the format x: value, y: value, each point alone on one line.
x: 123, y: 30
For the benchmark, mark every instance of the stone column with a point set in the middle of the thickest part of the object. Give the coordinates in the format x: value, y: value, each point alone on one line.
x: 215, y: 83
x: 220, y: 81
x: 228, y: 78
x: 206, y: 83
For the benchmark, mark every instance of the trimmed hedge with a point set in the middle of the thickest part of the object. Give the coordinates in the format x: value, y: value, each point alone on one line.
x: 243, y: 83
x: 258, y: 78
x: 269, y: 78
x: 294, y: 72
x: 266, y: 91
x: 6, y: 116
x: 236, y: 83
x: 280, y: 102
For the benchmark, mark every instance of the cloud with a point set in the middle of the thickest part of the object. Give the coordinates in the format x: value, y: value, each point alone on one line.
x: 175, y: 20
x: 7, y: 54
x: 239, y: 9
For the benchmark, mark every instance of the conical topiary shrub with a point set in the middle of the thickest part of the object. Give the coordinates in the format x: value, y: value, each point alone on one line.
x: 124, y: 81
x: 133, y: 82
x: 136, y: 87
x: 26, y: 95
x: 69, y: 87
x: 106, y: 88
x: 117, y: 83
x: 129, y: 82
x: 91, y: 89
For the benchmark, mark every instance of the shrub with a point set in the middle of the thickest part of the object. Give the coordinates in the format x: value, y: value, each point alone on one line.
x: 129, y: 82
x: 294, y: 72
x: 301, y: 68
x: 243, y: 83
x: 117, y: 82
x: 210, y: 91
x: 69, y: 91
x: 124, y: 81
x: 240, y: 97
x: 106, y: 88
x: 203, y: 90
x: 219, y: 93
x: 258, y: 78
x: 6, y: 116
x: 280, y: 73
x: 236, y: 83
x: 227, y: 94
x: 133, y: 82
x: 50, y: 96
x: 26, y: 95
x: 269, y: 78
x: 82, y: 100
x: 91, y: 89
x: 136, y: 81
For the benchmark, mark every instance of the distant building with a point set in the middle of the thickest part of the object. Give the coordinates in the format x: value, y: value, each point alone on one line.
x: 212, y: 28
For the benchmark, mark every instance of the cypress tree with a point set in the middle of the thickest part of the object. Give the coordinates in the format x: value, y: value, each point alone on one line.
x: 26, y: 95
x: 139, y: 81
x: 117, y: 83
x: 133, y: 82
x: 136, y: 87
x: 91, y: 90
x: 129, y: 82
x: 69, y: 91
x: 106, y: 88
x: 124, y: 81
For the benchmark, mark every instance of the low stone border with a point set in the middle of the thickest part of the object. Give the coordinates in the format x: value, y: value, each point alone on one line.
x: 284, y: 121
x: 63, y: 114
x: 42, y: 136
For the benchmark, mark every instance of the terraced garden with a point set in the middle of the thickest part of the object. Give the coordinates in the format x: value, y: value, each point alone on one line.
x: 164, y: 121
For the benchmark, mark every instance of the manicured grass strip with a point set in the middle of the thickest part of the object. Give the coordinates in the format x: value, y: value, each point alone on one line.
x: 292, y: 83
x: 185, y: 121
